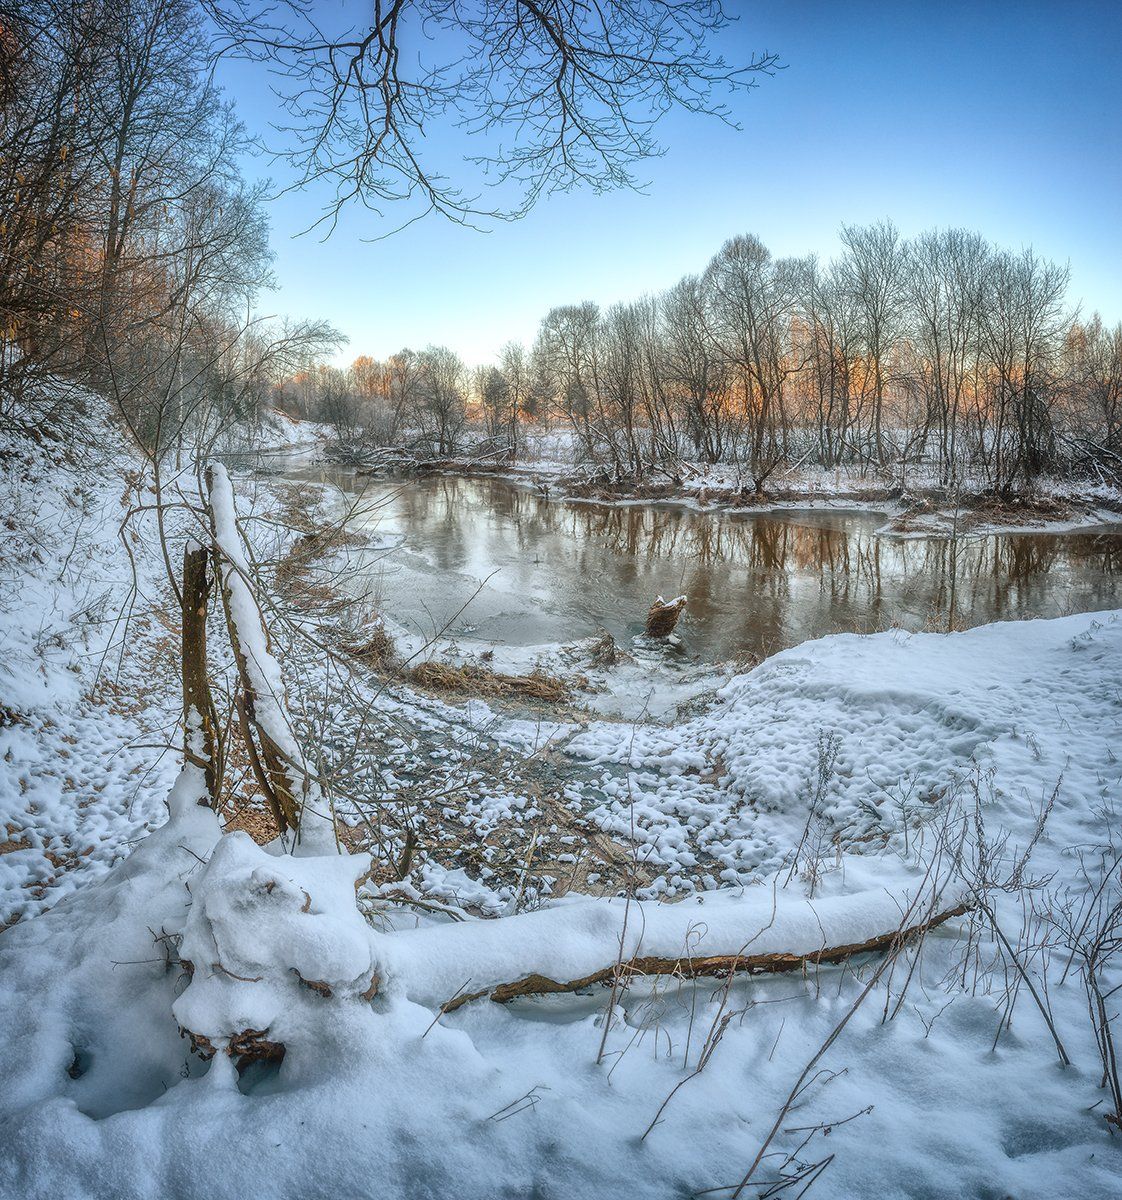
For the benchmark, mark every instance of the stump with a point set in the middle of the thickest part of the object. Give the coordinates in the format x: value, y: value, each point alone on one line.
x: 663, y: 615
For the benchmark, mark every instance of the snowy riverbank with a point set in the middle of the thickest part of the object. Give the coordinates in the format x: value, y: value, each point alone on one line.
x: 520, y: 1097
x: 917, y: 504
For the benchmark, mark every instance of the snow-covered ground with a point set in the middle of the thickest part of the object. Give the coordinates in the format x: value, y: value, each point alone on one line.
x: 276, y: 437
x: 88, y: 665
x: 815, y: 801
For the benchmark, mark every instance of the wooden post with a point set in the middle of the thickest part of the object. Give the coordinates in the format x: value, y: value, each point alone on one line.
x: 202, y: 743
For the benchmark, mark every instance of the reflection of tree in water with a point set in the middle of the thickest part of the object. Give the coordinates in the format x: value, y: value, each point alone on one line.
x: 1100, y: 551
x: 1018, y: 575
x: 440, y: 504
x: 754, y: 582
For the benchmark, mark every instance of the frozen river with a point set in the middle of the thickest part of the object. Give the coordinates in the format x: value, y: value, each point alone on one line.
x: 532, y: 570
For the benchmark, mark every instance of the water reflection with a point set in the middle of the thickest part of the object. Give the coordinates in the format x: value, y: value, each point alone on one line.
x: 559, y: 570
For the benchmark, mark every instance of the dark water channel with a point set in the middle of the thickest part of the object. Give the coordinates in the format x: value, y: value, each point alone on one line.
x: 535, y: 570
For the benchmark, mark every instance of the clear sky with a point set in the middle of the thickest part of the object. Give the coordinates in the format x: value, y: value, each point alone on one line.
x: 1002, y: 116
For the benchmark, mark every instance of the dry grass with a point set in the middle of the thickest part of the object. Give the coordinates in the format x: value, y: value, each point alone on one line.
x: 293, y: 574
x: 987, y: 510
x: 15, y: 839
x: 377, y: 651
x: 1016, y: 510
x: 255, y: 820
x: 475, y: 681
x: 241, y: 805
x: 606, y: 652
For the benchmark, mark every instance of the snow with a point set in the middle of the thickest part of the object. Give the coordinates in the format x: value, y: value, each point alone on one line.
x: 88, y: 986
x: 377, y: 1100
x: 810, y: 802
x: 381, y: 1098
x: 263, y: 670
x: 912, y: 714
x: 278, y: 436
x: 260, y: 931
x: 88, y: 689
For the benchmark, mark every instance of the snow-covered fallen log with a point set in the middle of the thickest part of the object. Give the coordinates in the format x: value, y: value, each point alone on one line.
x: 576, y: 945
x: 282, y: 773
x: 274, y: 943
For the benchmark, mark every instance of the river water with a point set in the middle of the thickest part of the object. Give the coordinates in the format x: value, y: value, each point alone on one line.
x: 532, y: 570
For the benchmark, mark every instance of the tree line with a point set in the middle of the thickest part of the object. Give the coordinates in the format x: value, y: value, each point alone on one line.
x: 133, y: 251
x: 942, y: 352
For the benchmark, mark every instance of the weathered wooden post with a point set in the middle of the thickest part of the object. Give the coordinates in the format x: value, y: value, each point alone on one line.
x: 202, y: 741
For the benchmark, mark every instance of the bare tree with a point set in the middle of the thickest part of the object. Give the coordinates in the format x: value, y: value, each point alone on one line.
x: 516, y: 371
x: 580, y: 87
x: 566, y: 352
x: 753, y: 302
x: 695, y: 370
x: 946, y: 282
x: 1094, y: 372
x: 944, y: 353
x: 1024, y: 324
x: 441, y: 393
x: 872, y: 273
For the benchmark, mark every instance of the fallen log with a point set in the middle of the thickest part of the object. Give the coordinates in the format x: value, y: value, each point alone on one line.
x: 575, y: 944
x: 717, y: 965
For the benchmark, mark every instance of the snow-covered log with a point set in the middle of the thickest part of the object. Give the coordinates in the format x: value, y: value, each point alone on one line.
x: 278, y: 952
x: 577, y: 945
x: 280, y: 767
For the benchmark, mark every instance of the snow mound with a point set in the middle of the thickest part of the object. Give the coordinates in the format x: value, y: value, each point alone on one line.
x: 88, y: 987
x: 872, y: 732
x: 268, y: 940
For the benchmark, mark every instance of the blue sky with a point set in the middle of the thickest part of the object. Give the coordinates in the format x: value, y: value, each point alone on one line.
x: 1003, y: 117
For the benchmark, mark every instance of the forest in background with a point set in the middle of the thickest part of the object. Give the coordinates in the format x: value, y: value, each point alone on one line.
x: 134, y: 253
x: 943, y: 351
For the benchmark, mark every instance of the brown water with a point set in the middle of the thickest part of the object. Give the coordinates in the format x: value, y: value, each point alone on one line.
x: 533, y: 570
